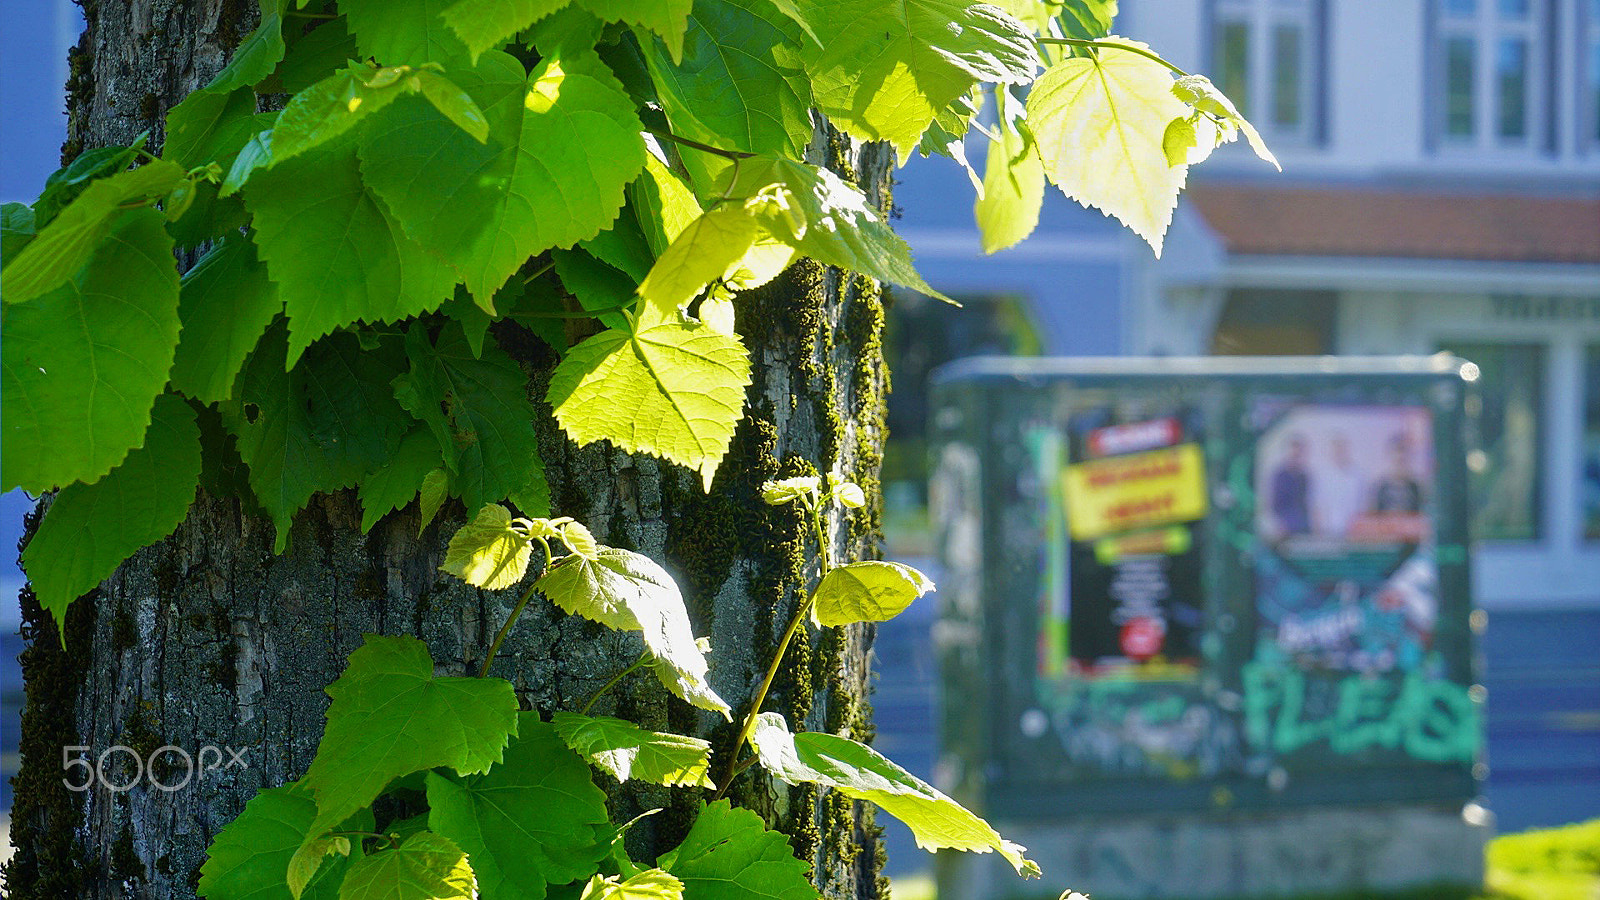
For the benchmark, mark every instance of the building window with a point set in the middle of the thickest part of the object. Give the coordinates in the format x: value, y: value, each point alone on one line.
x: 1264, y: 56
x: 1506, y: 477
x: 1590, y: 92
x: 1489, y: 54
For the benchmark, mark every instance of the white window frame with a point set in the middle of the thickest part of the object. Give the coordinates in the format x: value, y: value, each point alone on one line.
x: 1588, y: 80
x: 1486, y: 28
x: 1261, y: 19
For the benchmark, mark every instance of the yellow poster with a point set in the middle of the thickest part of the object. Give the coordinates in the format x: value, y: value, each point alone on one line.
x: 1139, y: 490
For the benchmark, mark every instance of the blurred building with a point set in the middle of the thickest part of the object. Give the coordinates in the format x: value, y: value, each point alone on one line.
x: 1441, y: 191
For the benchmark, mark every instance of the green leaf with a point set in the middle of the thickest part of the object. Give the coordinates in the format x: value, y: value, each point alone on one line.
x: 1013, y: 191
x: 859, y: 771
x: 651, y: 884
x: 83, y: 362
x: 1213, y: 108
x: 337, y: 256
x: 311, y: 57
x: 600, y: 288
x: 226, y: 303
x: 339, y: 102
x: 255, y: 154
x: 667, y: 18
x: 884, y: 70
x: 488, y: 24
x: 702, y: 253
x: 729, y: 854
x: 17, y: 228
x: 623, y: 246
x: 397, y: 482
x: 403, y: 32
x: 665, y: 203
x: 65, y: 184
x: 630, y: 592
x: 488, y: 552
x: 477, y: 408
x: 212, y: 127
x: 740, y: 85
x: 627, y: 751
x: 487, y: 208
x: 1087, y: 20
x: 63, y: 247
x: 827, y: 219
x: 1100, y: 121
x: 319, y: 427
x: 534, y: 819
x: 91, y: 528
x: 434, y: 491
x: 390, y: 717
x: 426, y: 867
x: 257, y: 55
x: 248, y: 859
x: 868, y: 591
x: 674, y: 389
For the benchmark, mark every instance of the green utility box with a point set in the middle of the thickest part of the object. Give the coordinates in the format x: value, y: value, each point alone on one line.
x: 1217, y: 593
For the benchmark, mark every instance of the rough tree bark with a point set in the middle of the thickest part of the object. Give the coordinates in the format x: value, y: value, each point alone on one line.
x: 208, y: 639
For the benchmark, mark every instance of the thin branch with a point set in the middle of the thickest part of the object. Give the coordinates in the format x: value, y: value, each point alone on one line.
x: 734, y: 155
x: 1113, y: 45
x: 643, y: 658
x: 516, y: 612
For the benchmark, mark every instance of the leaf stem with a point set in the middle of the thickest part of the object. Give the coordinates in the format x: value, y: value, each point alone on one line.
x: 1113, y: 45
x: 735, y: 765
x: 539, y: 271
x: 516, y: 612
x: 639, y: 663
x: 734, y: 155
x: 366, y: 834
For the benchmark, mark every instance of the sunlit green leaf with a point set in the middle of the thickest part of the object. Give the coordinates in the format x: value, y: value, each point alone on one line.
x: 84, y: 361
x: 487, y: 24
x: 1100, y: 121
x: 532, y: 820
x: 1013, y: 191
x: 91, y: 528
x: 651, y: 884
x: 628, y: 751
x: 339, y: 102
x: 1219, y: 111
x: 630, y: 592
x: 213, y: 127
x: 859, y: 771
x: 729, y: 854
x: 487, y: 552
x: 249, y: 858
x: 667, y: 18
x: 426, y: 866
x: 673, y: 388
x: 867, y: 591
x: 701, y: 253
x: 404, y: 32
x: 390, y: 717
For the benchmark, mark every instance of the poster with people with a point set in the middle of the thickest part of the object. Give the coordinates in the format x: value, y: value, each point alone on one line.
x: 1344, y: 563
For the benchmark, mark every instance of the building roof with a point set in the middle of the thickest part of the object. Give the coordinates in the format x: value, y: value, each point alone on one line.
x: 1377, y: 222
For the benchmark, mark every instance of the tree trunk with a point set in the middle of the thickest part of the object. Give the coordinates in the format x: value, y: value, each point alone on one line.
x: 208, y: 639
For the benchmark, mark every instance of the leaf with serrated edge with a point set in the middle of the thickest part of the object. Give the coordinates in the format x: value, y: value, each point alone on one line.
x: 487, y: 24
x: 397, y: 482
x: 390, y: 717
x: 651, y: 884
x: 336, y: 254
x: 713, y: 242
x: 257, y: 54
x: 84, y: 362
x: 729, y: 854
x: 1207, y: 99
x: 630, y: 592
x: 534, y: 819
x: 867, y: 591
x: 628, y: 751
x: 1013, y: 191
x: 883, y: 70
x: 404, y: 32
x: 477, y: 408
x: 859, y: 771
x: 211, y: 127
x: 65, y: 245
x: 665, y: 203
x: 667, y: 18
x: 226, y: 303
x: 91, y: 528
x: 674, y: 389
x: 564, y: 143
x: 339, y: 102
x: 248, y: 858
x: 487, y: 552
x: 426, y: 866
x: 1099, y: 121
